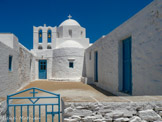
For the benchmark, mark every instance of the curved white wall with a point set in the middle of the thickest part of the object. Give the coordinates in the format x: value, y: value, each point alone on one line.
x: 60, y: 65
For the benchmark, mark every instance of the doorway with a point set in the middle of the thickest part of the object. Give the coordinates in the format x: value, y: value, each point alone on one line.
x: 127, y: 66
x: 42, y: 69
x: 96, y: 66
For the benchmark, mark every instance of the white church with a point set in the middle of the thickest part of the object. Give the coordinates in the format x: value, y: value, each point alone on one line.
x: 126, y: 61
x: 59, y: 51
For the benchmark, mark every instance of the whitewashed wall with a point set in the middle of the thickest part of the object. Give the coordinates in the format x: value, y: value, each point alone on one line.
x: 145, y: 28
x: 8, y: 80
x: 45, y: 54
x: 60, y: 64
x: 21, y: 72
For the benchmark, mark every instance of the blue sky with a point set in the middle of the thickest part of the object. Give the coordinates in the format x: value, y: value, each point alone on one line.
x: 99, y: 17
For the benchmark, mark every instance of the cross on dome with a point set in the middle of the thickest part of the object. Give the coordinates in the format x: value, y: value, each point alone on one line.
x: 69, y: 16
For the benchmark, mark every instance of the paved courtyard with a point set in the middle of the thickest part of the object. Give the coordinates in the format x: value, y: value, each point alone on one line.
x: 79, y: 92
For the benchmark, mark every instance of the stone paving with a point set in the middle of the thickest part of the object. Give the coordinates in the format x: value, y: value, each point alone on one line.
x: 79, y: 92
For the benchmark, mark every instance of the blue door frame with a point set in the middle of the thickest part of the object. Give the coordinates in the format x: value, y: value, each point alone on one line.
x: 42, y: 69
x: 96, y: 67
x: 127, y: 68
x: 33, y: 99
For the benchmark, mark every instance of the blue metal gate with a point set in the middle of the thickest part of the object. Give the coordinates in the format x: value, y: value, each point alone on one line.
x: 31, y: 108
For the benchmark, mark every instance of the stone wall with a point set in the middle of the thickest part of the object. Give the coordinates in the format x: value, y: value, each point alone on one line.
x: 145, y: 30
x: 112, y: 112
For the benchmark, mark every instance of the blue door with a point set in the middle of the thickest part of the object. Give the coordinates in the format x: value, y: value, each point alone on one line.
x: 96, y: 67
x: 42, y: 69
x: 127, y: 68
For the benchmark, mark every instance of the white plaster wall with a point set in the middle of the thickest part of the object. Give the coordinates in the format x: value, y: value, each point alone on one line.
x: 45, y: 54
x: 21, y: 73
x: 26, y: 65
x: 82, y: 41
x: 59, y: 35
x: 60, y: 65
x: 8, y: 80
x: 76, y: 32
x: 145, y: 30
x: 9, y: 39
x: 44, y: 43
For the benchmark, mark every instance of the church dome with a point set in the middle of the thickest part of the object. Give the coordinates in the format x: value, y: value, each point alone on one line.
x: 70, y: 44
x: 69, y: 22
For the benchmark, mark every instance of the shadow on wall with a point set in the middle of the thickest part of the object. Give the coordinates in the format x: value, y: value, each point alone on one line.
x: 84, y: 67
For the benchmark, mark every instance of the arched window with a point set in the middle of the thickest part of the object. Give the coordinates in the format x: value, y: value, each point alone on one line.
x: 49, y: 36
x: 40, y: 36
x: 49, y: 47
x: 40, y: 47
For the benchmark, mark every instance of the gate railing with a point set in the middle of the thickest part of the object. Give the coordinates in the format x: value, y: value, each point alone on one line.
x: 34, y: 104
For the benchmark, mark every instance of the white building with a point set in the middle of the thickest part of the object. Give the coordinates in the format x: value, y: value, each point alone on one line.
x: 16, y: 64
x: 59, y: 51
x: 127, y: 61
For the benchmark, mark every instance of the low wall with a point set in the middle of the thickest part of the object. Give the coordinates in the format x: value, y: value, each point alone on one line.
x: 112, y: 111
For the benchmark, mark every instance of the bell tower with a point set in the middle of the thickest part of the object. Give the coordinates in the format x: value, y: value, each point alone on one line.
x: 44, y: 37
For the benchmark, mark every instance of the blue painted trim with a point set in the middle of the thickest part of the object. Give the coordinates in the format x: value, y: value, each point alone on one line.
x: 39, y: 113
x: 21, y: 112
x: 30, y: 104
x: 127, y: 66
x: 42, y: 69
x: 96, y: 66
x: 27, y: 113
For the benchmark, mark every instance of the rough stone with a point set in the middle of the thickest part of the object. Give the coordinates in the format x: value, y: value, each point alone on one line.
x: 89, y: 118
x: 104, y: 111
x: 149, y: 115
x: 70, y: 120
x: 160, y: 113
x: 114, y: 114
x: 135, y: 119
x: 76, y: 117
x: 78, y: 113
x: 99, y: 120
x: 157, y: 108
x: 121, y: 120
x: 129, y: 113
x: 67, y: 110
